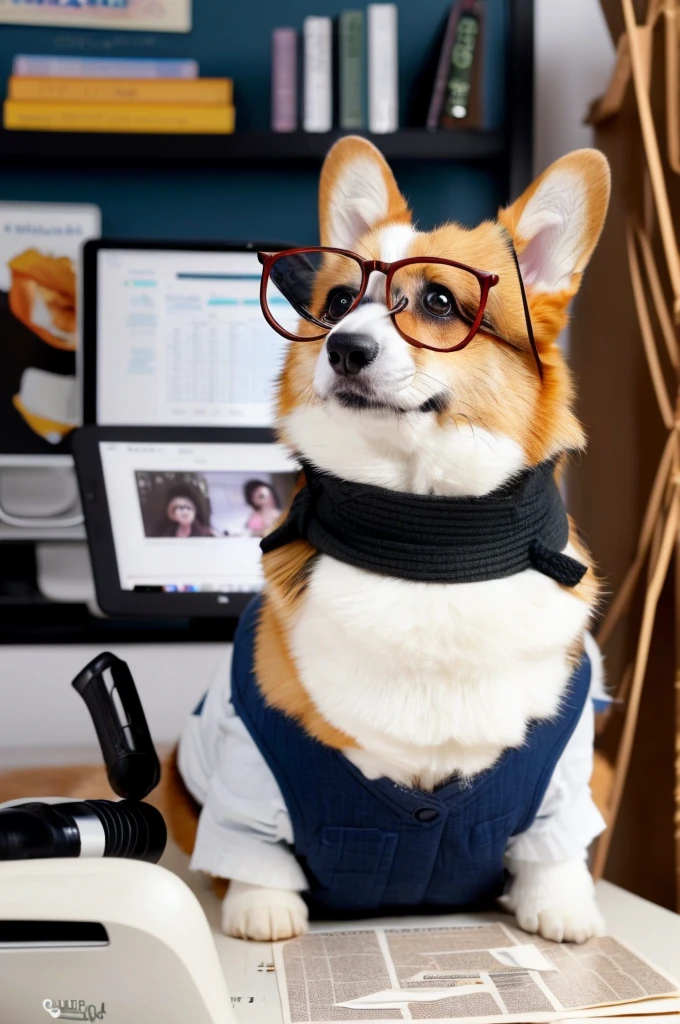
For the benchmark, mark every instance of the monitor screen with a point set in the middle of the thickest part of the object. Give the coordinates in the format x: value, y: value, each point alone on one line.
x: 188, y: 517
x: 181, y: 339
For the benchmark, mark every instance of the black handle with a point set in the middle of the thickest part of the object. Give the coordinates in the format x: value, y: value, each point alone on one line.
x: 131, y: 761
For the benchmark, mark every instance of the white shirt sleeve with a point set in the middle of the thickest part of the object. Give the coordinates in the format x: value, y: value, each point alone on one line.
x: 567, y: 820
x: 244, y: 830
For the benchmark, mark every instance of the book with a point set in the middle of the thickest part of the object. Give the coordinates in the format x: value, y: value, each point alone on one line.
x: 318, y: 70
x: 383, y: 76
x: 443, y: 66
x: 40, y: 266
x: 122, y: 90
x: 50, y: 66
x: 110, y: 15
x: 284, y: 80
x: 173, y: 118
x: 462, y: 106
x: 351, y: 61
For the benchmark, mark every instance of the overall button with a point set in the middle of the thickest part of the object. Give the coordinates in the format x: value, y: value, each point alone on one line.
x: 426, y: 814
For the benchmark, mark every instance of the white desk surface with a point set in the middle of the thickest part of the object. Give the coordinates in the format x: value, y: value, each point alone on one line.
x: 646, y: 928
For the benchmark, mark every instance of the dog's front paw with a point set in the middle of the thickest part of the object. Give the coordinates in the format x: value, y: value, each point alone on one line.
x: 252, y: 912
x: 555, y: 900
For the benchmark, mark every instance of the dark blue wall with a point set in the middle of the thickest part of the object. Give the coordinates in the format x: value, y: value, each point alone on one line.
x: 232, y: 37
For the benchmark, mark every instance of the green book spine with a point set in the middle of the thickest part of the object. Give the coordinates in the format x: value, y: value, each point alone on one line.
x: 351, y: 42
x: 464, y: 60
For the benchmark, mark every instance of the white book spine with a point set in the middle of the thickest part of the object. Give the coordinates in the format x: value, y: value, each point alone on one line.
x: 318, y: 87
x: 383, y: 69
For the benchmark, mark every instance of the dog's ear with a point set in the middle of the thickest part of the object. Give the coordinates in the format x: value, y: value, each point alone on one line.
x: 357, y: 190
x: 556, y: 223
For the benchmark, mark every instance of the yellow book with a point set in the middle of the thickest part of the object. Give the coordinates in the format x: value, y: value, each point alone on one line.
x: 122, y: 90
x: 159, y: 118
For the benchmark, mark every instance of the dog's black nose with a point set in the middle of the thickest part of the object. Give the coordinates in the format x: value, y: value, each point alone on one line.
x: 348, y: 354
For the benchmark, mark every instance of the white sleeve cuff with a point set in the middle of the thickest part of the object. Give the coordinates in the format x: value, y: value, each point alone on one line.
x: 243, y: 856
x: 562, y: 837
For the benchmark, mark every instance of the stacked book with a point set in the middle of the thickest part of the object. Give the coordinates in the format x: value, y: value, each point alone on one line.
x: 367, y: 63
x: 82, y: 94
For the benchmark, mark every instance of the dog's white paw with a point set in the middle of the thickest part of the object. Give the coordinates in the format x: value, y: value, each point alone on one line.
x: 252, y: 912
x: 555, y: 900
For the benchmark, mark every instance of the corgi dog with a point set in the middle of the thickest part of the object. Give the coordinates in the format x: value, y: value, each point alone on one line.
x: 364, y: 756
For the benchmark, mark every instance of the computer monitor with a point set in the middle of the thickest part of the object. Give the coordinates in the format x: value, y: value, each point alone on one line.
x: 175, y: 516
x: 174, y: 335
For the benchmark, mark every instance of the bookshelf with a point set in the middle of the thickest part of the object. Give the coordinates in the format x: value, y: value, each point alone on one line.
x: 245, y: 147
x: 506, y: 154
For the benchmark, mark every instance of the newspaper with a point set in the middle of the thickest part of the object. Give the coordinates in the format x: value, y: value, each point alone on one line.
x: 485, y: 973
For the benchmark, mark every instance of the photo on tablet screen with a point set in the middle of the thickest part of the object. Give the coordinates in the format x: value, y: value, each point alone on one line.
x: 188, y: 517
x: 211, y: 504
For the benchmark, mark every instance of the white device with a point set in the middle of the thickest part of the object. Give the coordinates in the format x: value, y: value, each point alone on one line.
x: 118, y: 941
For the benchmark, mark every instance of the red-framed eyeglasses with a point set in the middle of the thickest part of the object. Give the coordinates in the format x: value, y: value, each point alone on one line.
x: 434, y: 303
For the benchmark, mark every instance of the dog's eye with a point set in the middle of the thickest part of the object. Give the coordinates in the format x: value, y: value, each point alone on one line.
x: 338, y: 302
x: 439, y: 301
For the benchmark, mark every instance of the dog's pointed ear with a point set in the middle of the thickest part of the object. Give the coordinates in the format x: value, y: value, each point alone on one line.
x: 357, y: 190
x: 556, y: 223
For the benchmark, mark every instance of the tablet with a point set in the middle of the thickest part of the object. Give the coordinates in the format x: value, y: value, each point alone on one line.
x: 174, y: 517
x: 173, y: 335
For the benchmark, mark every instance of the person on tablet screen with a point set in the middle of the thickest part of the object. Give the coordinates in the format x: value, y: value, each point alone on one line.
x: 185, y: 514
x: 265, y: 505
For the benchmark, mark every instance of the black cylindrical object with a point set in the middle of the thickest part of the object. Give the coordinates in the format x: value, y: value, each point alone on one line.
x: 82, y: 828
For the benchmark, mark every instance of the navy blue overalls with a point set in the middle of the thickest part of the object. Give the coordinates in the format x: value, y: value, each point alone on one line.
x: 367, y: 845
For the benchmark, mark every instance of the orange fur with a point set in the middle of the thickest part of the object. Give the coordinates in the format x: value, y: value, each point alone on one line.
x: 591, y: 167
x: 279, y: 682
x: 590, y: 587
x: 177, y: 805
x: 339, y: 156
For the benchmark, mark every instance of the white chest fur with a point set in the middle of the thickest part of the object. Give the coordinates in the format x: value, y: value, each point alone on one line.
x: 430, y: 679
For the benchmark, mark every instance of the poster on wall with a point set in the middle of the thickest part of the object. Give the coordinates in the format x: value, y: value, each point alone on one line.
x: 40, y: 246
x: 135, y: 15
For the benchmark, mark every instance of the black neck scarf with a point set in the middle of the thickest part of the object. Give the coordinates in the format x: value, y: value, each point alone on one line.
x: 433, y: 539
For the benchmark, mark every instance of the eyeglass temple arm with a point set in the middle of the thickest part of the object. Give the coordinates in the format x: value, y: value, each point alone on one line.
x: 527, y: 315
